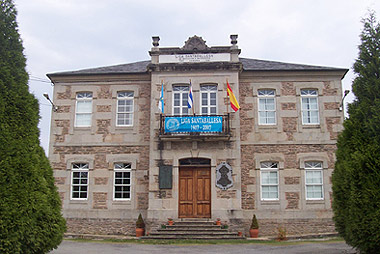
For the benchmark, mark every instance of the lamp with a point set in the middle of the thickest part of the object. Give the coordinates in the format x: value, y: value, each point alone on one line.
x: 55, y: 108
x: 346, y: 92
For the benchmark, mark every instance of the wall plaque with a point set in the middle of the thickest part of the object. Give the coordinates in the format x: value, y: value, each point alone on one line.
x: 165, y: 176
x: 195, y: 58
x: 224, y: 176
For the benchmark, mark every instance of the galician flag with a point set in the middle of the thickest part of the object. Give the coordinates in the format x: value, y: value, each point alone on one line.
x: 161, y: 101
x: 234, y: 103
x: 190, y: 97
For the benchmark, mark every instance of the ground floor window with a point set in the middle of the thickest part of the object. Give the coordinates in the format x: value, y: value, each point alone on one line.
x: 269, y: 180
x: 122, y: 181
x: 314, y: 180
x: 79, y: 181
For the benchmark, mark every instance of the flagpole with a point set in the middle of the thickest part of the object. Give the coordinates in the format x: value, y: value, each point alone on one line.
x: 228, y: 108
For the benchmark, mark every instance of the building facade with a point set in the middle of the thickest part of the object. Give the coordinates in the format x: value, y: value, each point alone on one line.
x: 116, y: 153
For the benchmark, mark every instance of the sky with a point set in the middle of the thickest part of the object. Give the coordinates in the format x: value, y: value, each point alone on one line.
x: 65, y: 35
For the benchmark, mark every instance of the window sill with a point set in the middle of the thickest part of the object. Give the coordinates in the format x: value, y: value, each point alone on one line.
x: 124, y: 127
x: 78, y: 201
x: 271, y: 126
x: 270, y: 202
x: 121, y: 202
x: 311, y: 126
x: 315, y: 202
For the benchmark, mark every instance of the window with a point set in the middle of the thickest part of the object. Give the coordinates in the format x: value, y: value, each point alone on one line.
x: 208, y: 99
x: 269, y: 180
x: 309, y: 104
x: 180, y: 94
x: 83, y: 109
x: 124, y: 109
x: 122, y: 181
x: 313, y: 180
x: 79, y: 181
x: 267, y: 107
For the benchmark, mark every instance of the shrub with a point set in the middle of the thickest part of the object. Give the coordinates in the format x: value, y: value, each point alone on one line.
x: 254, y: 224
x: 140, y: 222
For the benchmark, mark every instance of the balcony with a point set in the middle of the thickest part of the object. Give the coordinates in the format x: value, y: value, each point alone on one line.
x: 193, y: 127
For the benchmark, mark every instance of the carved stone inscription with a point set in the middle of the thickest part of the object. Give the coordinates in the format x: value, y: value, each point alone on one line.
x: 224, y: 176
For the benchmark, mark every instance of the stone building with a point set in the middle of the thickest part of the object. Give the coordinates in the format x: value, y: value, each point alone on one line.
x: 115, y: 154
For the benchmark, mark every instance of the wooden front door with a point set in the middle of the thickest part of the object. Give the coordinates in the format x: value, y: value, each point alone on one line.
x: 194, y: 192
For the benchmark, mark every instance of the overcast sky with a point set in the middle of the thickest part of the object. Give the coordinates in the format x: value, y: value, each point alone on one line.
x: 63, y: 35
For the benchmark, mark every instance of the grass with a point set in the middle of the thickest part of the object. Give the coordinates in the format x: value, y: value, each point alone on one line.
x: 210, y: 242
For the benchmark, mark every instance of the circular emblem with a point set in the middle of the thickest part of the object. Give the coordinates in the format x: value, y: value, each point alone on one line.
x: 172, y: 124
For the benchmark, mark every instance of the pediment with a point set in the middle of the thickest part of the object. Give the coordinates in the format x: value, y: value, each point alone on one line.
x: 195, y: 43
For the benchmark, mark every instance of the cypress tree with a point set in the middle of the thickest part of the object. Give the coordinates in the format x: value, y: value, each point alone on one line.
x: 30, y: 208
x: 356, y: 178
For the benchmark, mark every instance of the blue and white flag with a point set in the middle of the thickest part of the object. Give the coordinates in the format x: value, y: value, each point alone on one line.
x: 161, y: 101
x: 190, y: 97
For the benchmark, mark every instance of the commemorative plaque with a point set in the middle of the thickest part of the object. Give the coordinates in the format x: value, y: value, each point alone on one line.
x: 224, y: 176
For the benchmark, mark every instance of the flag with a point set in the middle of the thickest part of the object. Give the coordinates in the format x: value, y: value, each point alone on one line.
x: 190, y: 97
x: 161, y: 101
x: 234, y: 103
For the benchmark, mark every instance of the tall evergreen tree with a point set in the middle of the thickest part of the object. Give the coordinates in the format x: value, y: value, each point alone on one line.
x: 30, y: 208
x: 356, y: 178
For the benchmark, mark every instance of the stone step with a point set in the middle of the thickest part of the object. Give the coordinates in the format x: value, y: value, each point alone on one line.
x: 199, y: 229
x: 194, y: 222
x: 192, y: 230
x: 191, y: 233
x: 193, y: 237
x: 200, y: 226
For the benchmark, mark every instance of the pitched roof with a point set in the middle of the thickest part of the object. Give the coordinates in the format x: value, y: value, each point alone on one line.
x: 263, y: 65
x: 248, y: 65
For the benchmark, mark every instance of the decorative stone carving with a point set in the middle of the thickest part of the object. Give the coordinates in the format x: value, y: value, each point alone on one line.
x: 224, y: 176
x: 156, y: 40
x: 195, y: 43
x: 233, y: 39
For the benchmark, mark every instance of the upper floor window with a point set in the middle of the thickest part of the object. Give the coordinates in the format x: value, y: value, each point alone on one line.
x: 309, y: 106
x: 208, y: 99
x: 180, y: 94
x: 269, y: 180
x: 314, y: 180
x: 267, y: 107
x: 79, y: 181
x: 83, y: 109
x: 122, y: 181
x: 124, y: 110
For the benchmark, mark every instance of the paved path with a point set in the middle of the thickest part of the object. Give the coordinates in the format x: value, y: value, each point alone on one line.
x: 74, y: 247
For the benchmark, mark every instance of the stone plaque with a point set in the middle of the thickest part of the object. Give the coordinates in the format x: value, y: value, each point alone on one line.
x: 165, y: 177
x: 224, y: 176
x: 195, y: 58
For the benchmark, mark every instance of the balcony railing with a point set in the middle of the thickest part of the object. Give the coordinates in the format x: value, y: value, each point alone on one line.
x: 195, y: 126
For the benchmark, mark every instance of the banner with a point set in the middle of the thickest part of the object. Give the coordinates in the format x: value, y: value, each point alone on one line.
x: 194, y: 124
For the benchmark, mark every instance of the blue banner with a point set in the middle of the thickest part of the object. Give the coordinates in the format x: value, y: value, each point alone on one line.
x: 194, y: 124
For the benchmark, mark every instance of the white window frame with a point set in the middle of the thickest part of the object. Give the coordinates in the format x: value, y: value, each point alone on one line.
x: 263, y: 96
x: 124, y: 96
x: 79, y: 168
x: 269, y: 167
x: 208, y: 90
x: 310, y: 168
x: 83, y: 97
x: 122, y: 167
x: 182, y: 90
x: 309, y: 94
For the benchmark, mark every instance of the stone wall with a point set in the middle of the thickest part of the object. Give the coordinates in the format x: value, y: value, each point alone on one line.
x: 100, y: 226
x: 269, y: 227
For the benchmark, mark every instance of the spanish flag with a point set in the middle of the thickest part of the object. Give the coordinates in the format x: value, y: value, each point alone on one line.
x: 234, y: 103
